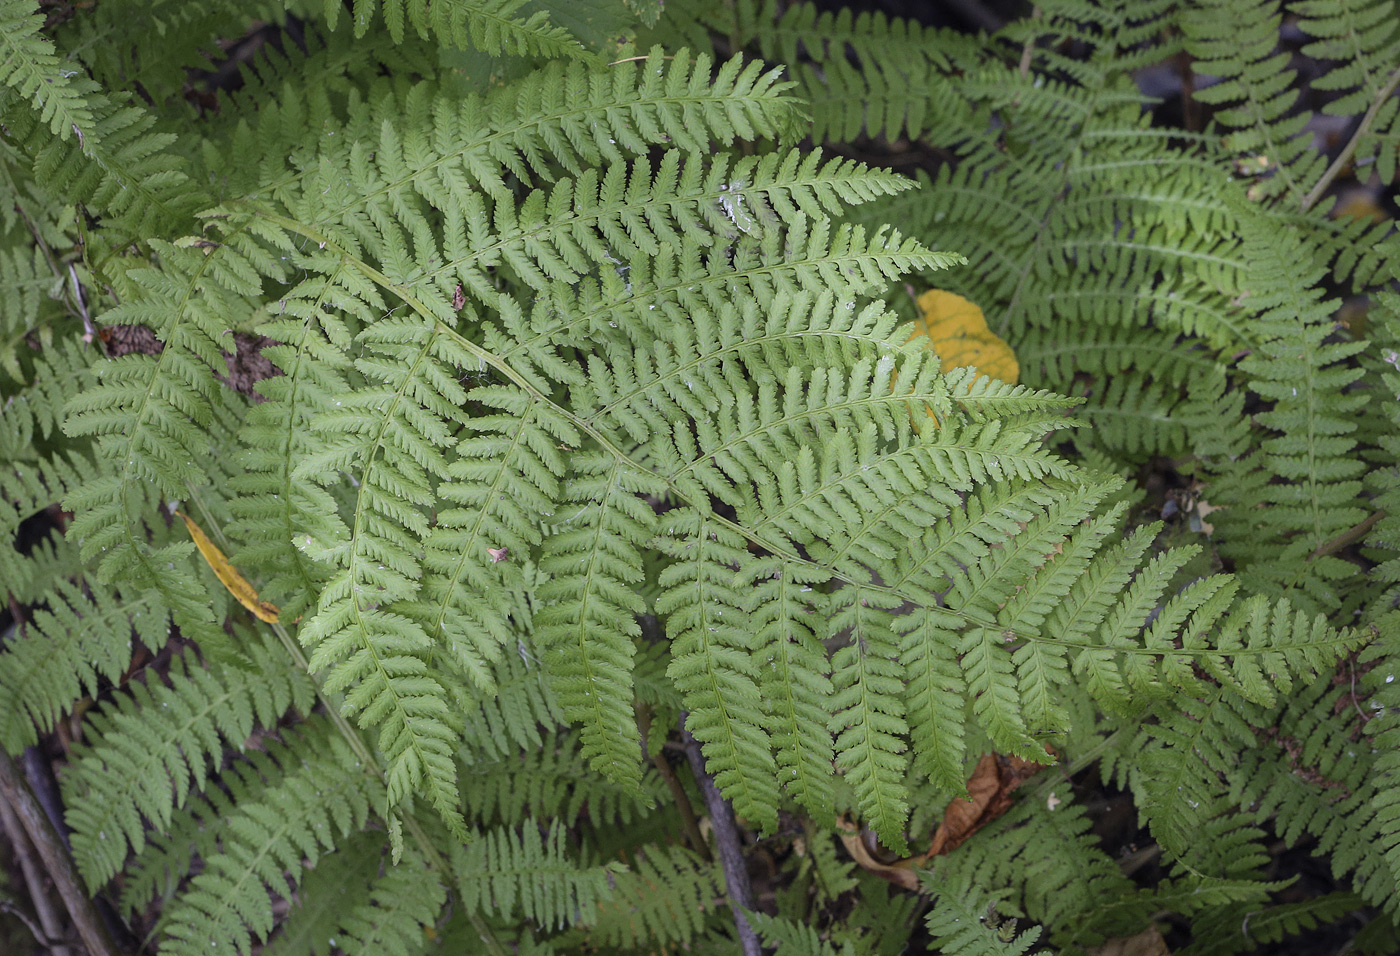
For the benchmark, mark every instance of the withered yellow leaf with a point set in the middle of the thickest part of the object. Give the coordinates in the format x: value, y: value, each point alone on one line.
x: 228, y: 575
x: 957, y: 330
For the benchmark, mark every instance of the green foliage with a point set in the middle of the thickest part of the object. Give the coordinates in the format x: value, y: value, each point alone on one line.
x: 545, y: 363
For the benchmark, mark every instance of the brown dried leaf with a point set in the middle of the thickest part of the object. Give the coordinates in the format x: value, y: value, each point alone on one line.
x: 900, y: 873
x: 988, y: 797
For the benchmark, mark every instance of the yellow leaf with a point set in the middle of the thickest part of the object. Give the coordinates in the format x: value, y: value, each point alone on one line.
x: 228, y: 575
x: 956, y: 329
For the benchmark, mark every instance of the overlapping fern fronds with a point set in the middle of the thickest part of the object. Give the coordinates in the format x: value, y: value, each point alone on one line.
x: 582, y: 403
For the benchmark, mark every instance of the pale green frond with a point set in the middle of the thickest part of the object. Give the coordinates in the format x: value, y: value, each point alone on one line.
x: 793, y: 676
x: 867, y: 709
x: 713, y: 662
x: 588, y: 623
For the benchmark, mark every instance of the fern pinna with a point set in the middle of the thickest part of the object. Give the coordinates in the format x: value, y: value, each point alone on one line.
x: 584, y: 426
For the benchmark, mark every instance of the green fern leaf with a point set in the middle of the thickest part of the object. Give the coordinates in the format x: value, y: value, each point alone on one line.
x: 139, y: 769
x: 298, y: 815
x: 32, y: 69
x: 505, y: 869
x: 712, y: 661
x: 588, y: 624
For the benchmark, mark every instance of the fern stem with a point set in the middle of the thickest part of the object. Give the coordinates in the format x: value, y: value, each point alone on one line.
x: 49, y: 927
x: 673, y: 783
x: 731, y: 853
x: 59, y: 865
x: 362, y: 751
x: 1351, y: 535
x: 1344, y: 157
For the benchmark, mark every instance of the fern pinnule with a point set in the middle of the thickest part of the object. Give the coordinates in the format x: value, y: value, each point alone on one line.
x: 588, y: 625
x: 712, y: 660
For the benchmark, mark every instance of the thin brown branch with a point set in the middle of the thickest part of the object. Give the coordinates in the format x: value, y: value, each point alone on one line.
x: 1320, y: 187
x: 1028, y: 51
x: 1351, y: 535
x: 50, y: 926
x: 35, y: 930
x: 673, y: 783
x: 731, y: 850
x: 35, y: 824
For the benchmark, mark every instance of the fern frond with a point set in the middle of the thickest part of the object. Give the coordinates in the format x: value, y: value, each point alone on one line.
x: 1307, y: 444
x: 59, y: 95
x: 1359, y: 39
x: 126, y: 170
x: 588, y: 625
x: 958, y: 921
x: 345, y: 904
x: 632, y: 210
x: 36, y: 474
x: 273, y: 510
x: 1223, y: 930
x: 311, y: 793
x: 1042, y: 669
x: 552, y: 781
x: 28, y: 305
x: 505, y: 474
x: 787, y: 614
x: 148, y: 412
x: 663, y: 898
x: 712, y: 661
x: 1237, y: 43
x: 491, y: 26
x: 934, y: 697
x: 868, y: 710
x: 504, y: 869
x: 562, y: 115
x: 793, y: 939
x: 139, y: 769
x: 153, y: 46
x: 80, y: 638
x: 389, y: 436
x: 509, y: 718
x: 871, y: 75
x: 1192, y: 743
